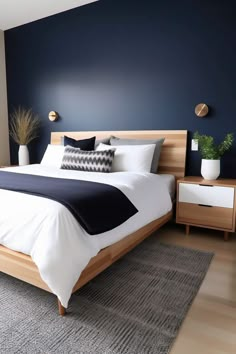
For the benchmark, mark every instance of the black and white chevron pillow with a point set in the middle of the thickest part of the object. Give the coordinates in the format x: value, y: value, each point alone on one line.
x: 91, y: 161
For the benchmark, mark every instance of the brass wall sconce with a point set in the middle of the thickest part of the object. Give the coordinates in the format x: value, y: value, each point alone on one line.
x: 53, y: 116
x: 201, y: 110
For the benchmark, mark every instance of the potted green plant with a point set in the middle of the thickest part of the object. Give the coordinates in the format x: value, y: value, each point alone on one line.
x: 24, y: 126
x: 211, y: 153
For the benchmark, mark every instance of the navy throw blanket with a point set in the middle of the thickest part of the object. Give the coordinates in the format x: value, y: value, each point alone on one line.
x: 98, y: 207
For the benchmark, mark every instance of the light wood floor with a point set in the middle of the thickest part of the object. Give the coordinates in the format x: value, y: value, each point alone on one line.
x: 210, y: 326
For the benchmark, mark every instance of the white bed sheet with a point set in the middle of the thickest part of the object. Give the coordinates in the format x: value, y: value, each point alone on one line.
x: 169, y: 180
x: 48, y: 232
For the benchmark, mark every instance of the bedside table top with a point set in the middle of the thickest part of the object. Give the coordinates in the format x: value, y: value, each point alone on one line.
x: 6, y: 166
x: 227, y: 182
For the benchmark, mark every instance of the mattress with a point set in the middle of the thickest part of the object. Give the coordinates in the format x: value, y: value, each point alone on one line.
x: 48, y: 232
x: 169, y: 181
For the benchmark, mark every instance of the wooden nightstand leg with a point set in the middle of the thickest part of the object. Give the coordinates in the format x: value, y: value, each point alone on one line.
x: 226, y: 235
x: 187, y: 229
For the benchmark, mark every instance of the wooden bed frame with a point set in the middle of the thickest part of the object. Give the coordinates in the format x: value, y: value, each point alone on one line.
x: 172, y: 161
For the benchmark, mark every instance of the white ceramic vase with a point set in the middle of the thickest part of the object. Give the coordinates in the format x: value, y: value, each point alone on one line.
x: 23, y: 155
x: 210, y: 169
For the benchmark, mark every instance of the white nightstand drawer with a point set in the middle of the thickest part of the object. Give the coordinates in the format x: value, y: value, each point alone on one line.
x: 206, y: 195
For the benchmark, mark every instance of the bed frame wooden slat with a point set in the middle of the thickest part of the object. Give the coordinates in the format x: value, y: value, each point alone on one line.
x: 22, y: 267
x: 110, y: 254
x: 172, y: 161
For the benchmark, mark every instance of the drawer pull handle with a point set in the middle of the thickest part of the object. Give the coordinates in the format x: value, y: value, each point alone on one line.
x: 204, y: 205
x: 205, y: 185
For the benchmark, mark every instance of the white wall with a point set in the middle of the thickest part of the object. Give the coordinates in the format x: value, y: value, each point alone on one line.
x: 4, y: 134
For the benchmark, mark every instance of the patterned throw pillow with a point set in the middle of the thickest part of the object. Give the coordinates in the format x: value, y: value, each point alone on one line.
x: 91, y: 161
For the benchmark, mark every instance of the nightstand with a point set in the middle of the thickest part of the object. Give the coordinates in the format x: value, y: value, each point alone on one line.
x: 8, y: 166
x: 205, y: 203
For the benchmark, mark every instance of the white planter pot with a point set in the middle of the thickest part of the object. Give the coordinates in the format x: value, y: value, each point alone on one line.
x: 23, y: 155
x: 210, y: 169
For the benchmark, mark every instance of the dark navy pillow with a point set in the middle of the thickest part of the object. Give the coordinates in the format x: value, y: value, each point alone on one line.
x: 85, y: 144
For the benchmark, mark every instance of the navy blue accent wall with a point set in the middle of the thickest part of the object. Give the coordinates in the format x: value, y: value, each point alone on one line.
x: 129, y: 64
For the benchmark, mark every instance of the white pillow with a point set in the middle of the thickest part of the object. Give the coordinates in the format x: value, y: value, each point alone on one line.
x: 102, y: 147
x: 53, y: 156
x: 133, y: 158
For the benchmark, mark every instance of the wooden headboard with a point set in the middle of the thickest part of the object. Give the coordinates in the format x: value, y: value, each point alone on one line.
x: 173, y: 153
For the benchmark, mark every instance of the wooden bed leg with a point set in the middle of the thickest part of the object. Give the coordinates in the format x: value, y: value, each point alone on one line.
x: 226, y: 235
x: 62, y: 310
x: 187, y: 229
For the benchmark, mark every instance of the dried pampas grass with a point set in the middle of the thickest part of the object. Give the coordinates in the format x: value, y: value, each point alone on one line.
x: 24, y: 126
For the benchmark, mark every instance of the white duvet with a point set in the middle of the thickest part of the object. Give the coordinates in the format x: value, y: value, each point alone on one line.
x: 48, y: 232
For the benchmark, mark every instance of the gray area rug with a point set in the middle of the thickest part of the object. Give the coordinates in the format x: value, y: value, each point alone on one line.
x: 136, y: 306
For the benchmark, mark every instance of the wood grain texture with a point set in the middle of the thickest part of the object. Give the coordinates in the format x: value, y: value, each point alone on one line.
x: 61, y: 309
x: 173, y: 153
x: 219, y: 218
x: 221, y: 182
x: 112, y: 253
x: 9, y: 166
x: 210, y: 325
x: 214, y: 217
x: 22, y: 266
